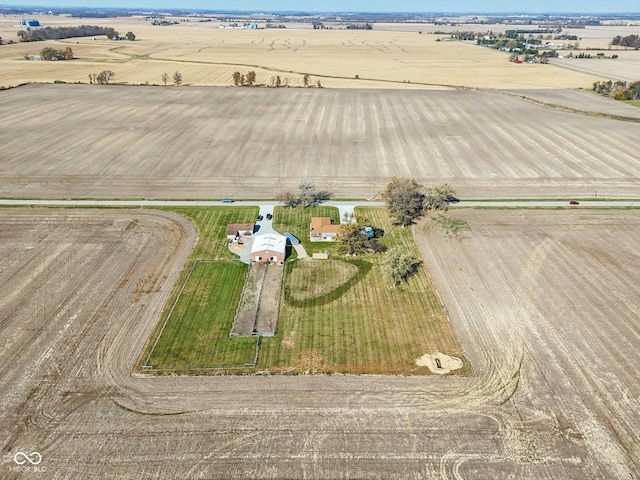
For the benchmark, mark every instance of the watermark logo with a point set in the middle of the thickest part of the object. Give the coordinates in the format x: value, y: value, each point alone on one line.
x: 27, y: 462
x: 33, y: 458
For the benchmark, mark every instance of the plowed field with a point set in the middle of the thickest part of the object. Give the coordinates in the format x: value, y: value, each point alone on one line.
x: 545, y: 305
x: 155, y: 142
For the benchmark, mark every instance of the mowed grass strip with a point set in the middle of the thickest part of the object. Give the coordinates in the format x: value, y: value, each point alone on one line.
x: 370, y: 328
x: 197, y: 333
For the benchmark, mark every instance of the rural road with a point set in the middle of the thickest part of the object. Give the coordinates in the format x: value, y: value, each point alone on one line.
x: 265, y: 204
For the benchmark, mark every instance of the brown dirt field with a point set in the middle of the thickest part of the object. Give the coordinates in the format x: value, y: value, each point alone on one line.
x: 198, y: 142
x: 545, y: 304
x: 207, y: 55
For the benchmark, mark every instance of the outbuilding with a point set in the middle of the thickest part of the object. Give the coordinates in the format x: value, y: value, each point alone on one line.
x: 269, y: 248
x: 236, y: 231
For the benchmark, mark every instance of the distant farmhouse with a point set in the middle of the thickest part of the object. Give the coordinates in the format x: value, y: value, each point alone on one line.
x: 269, y: 248
x: 29, y: 22
x: 322, y: 230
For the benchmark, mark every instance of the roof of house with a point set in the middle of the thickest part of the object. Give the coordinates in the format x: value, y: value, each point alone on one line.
x: 272, y: 242
x: 234, y: 228
x: 323, y: 225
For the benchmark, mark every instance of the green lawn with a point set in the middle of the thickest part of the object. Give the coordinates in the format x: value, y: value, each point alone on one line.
x: 356, y: 325
x: 196, y: 334
x: 297, y: 221
x: 366, y: 327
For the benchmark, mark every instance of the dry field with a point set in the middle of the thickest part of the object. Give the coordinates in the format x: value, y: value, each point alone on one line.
x: 207, y: 55
x: 581, y: 100
x: 626, y: 67
x: 155, y: 142
x: 545, y: 304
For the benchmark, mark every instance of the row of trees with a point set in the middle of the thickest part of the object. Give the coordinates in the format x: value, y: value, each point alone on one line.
x: 619, y: 90
x: 177, y: 78
x: 102, y: 78
x: 106, y: 76
x: 628, y: 41
x: 57, y: 33
x: 248, y: 79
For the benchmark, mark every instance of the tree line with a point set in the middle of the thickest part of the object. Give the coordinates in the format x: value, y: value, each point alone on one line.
x: 619, y: 90
x: 632, y: 41
x: 57, y: 33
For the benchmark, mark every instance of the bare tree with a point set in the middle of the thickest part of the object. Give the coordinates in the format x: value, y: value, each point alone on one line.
x: 236, y: 78
x: 306, y: 191
x: 177, y: 78
x: 288, y: 198
x: 251, y: 78
x: 305, y: 79
x: 278, y: 81
x: 165, y: 78
x: 105, y: 76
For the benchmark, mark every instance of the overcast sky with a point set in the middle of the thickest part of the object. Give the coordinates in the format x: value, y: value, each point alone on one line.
x: 537, y: 6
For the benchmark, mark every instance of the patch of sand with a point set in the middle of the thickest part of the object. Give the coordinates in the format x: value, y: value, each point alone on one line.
x: 439, y: 363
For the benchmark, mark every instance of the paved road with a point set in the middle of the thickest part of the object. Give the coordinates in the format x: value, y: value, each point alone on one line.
x: 266, y: 206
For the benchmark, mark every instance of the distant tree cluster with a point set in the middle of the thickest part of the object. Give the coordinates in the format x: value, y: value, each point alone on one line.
x: 619, y: 90
x: 241, y: 79
x: 359, y: 26
x: 56, y: 33
x: 102, y: 78
x: 50, y: 53
x: 632, y: 41
x: 460, y: 35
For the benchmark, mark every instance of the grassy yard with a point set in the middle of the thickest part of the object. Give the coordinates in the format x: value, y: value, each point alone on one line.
x: 297, y: 220
x: 368, y: 327
x: 337, y: 315
x: 197, y: 333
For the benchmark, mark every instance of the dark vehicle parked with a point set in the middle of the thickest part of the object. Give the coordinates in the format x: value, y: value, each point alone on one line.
x: 259, y: 217
x: 269, y: 216
x: 573, y: 202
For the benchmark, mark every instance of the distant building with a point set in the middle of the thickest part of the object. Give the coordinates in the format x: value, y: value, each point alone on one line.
x: 29, y: 22
x: 269, y: 248
x: 322, y: 230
